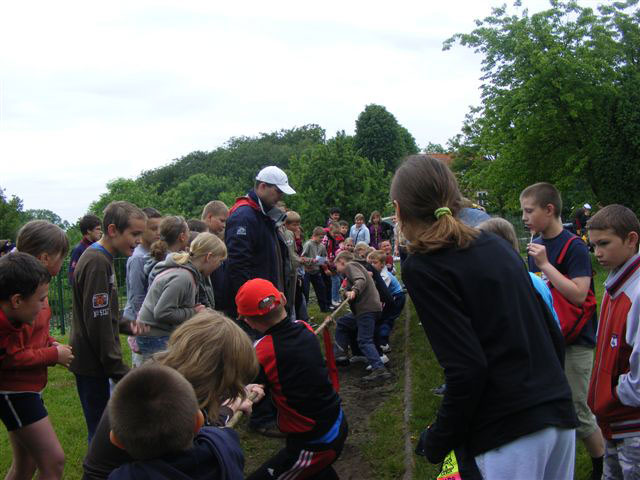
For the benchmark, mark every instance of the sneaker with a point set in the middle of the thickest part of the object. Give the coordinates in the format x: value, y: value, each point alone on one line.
x: 385, y: 348
x: 439, y: 391
x: 336, y: 303
x: 358, y: 359
x: 342, y: 361
x: 379, y: 374
x: 268, y: 430
x: 384, y: 359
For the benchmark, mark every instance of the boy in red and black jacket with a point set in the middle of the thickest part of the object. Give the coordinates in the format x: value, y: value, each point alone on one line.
x: 614, y: 392
x: 292, y: 366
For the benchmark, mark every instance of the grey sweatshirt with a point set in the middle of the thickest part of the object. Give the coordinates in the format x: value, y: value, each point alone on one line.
x: 171, y: 297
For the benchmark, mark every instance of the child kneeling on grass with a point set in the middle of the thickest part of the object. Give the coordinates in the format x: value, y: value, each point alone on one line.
x: 172, y: 297
x: 292, y: 367
x: 614, y: 392
x: 507, y: 409
x: 25, y: 342
x: 155, y: 418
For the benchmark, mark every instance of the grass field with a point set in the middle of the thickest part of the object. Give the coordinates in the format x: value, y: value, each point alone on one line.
x: 383, y: 450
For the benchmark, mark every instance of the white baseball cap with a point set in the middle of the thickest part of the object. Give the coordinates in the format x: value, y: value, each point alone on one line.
x: 277, y: 177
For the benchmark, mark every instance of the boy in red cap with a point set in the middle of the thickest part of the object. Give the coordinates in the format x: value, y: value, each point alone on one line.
x: 292, y: 366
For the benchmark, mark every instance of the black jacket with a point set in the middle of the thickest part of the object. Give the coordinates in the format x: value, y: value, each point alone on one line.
x: 486, y: 327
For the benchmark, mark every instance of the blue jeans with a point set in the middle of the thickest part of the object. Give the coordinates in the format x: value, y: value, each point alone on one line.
x: 318, y: 286
x: 389, y: 315
x: 362, y: 328
x: 94, y: 393
x: 336, y: 280
x: 148, y: 345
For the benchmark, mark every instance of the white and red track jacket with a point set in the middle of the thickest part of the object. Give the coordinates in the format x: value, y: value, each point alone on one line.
x: 614, y: 393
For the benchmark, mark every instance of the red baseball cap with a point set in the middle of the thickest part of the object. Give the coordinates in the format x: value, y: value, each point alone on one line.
x: 257, y: 297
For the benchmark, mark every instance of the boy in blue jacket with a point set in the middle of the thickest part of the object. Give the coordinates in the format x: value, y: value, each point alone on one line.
x: 155, y: 418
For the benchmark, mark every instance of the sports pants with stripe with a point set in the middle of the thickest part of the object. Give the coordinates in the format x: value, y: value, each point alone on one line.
x: 307, y: 460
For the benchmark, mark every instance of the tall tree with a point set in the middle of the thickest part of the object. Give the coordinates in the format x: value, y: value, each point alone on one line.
x: 10, y: 216
x: 559, y: 103
x: 44, y: 214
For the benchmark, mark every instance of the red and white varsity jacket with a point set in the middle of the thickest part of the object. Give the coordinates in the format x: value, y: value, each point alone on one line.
x: 614, y: 392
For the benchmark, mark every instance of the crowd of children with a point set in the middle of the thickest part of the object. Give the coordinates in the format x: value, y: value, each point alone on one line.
x: 516, y: 339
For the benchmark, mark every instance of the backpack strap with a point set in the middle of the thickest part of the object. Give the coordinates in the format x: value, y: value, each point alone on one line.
x: 563, y: 252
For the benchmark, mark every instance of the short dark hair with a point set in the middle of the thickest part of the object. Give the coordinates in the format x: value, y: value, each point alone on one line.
x: 334, y: 210
x: 318, y: 232
x: 343, y: 223
x: 151, y: 212
x: 41, y: 236
x: 196, y: 225
x: 89, y: 222
x: 544, y: 194
x: 21, y: 273
x: 618, y: 218
x: 120, y: 214
x: 152, y: 412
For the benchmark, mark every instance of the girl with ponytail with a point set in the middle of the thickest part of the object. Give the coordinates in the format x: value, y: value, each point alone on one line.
x: 507, y: 410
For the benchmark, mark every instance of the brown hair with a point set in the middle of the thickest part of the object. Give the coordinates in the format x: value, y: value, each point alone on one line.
x: 274, y: 315
x: 196, y: 225
x: 292, y: 217
x: 203, y: 244
x: 318, y: 232
x: 170, y: 229
x: 359, y: 216
x: 378, y: 255
x: 618, y: 218
x: 343, y: 223
x: 152, y: 412
x: 120, y: 214
x: 214, y: 208
x: 89, y: 222
x: 374, y: 214
x: 41, y: 236
x: 544, y: 194
x: 345, y: 256
x: 214, y: 355
x: 503, y: 229
x: 420, y: 186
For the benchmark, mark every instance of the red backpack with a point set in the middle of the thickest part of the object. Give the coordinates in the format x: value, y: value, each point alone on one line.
x: 572, y: 317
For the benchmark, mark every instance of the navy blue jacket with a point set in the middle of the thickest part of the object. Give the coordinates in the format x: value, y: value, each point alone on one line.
x: 215, y: 455
x: 252, y: 239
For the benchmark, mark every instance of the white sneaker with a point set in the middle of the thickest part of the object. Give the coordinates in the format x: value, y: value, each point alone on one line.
x: 335, y: 303
x: 385, y: 348
x: 384, y: 359
x: 359, y: 359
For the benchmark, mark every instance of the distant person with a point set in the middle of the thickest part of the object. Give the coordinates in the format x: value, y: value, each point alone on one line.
x: 174, y: 237
x: 332, y: 240
x: 96, y: 321
x: 614, y: 391
x: 6, y: 247
x: 256, y: 249
x: 580, y: 219
x: 178, y: 447
x: 91, y: 229
x: 334, y: 215
x: 507, y: 410
x: 197, y: 226
x: 317, y: 253
x: 472, y: 214
x: 563, y: 261
x: 28, y: 349
x: 136, y: 279
x: 359, y: 231
x: 215, y: 215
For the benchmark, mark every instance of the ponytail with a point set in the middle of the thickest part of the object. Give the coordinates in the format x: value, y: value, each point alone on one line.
x: 170, y: 229
x: 428, y: 197
x: 159, y: 250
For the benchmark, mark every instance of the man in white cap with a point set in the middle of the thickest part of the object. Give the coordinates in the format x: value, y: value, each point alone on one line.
x: 255, y: 247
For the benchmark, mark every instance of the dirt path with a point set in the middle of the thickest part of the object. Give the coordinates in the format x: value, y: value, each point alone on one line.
x: 359, y: 404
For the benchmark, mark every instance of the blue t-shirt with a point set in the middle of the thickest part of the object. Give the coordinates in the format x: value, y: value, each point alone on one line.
x: 545, y: 293
x: 576, y: 263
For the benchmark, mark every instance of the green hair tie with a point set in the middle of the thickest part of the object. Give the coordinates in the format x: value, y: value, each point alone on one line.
x: 441, y: 211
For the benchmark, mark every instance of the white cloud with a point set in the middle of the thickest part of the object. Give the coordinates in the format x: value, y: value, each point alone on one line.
x: 90, y: 92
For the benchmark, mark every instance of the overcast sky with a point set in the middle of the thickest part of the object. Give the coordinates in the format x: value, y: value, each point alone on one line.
x: 94, y: 91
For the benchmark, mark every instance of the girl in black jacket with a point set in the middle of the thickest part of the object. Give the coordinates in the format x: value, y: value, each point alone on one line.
x: 507, y: 407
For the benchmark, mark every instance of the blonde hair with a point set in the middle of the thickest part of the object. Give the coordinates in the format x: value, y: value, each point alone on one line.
x: 502, y: 228
x: 362, y: 245
x: 378, y: 255
x: 292, y: 217
x: 214, y: 208
x: 214, y: 355
x: 420, y: 186
x: 359, y: 216
x: 347, y: 240
x: 202, y: 245
x: 345, y: 256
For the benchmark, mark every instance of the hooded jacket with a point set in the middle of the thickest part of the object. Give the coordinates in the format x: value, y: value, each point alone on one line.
x: 215, y: 455
x: 171, y: 297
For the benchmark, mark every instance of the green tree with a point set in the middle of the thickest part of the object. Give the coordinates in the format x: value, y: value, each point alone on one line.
x: 336, y: 175
x: 559, y: 104
x: 44, y: 214
x: 381, y: 138
x: 434, y: 148
x: 128, y: 190
x: 190, y: 196
x: 10, y: 216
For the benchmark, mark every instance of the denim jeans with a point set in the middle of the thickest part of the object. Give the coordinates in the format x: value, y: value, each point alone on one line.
x: 148, y: 345
x: 94, y: 393
x: 362, y: 328
x: 319, y: 287
x: 336, y: 280
x: 389, y: 315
